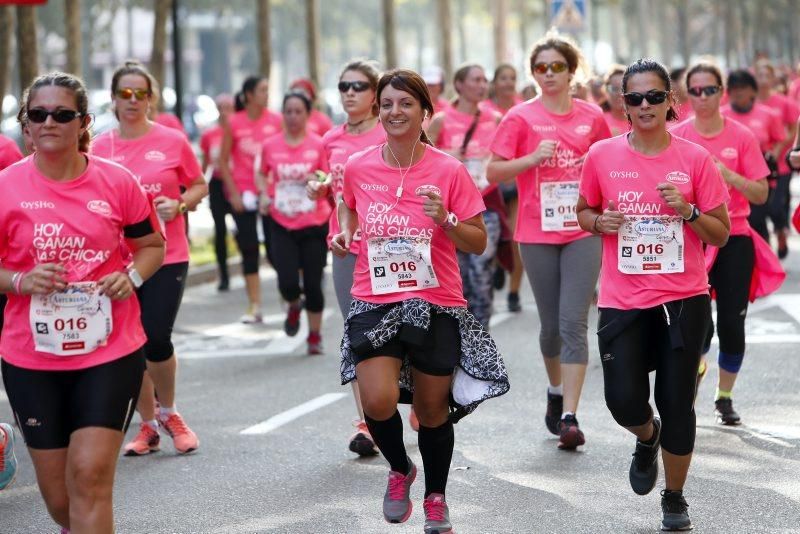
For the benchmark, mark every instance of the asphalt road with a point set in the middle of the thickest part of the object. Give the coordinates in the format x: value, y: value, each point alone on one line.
x: 274, y: 425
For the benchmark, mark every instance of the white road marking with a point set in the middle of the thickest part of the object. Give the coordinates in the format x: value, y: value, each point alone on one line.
x: 290, y: 415
x: 763, y: 436
x: 3, y: 396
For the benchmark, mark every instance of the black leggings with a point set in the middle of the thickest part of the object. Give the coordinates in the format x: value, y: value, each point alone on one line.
x: 304, y: 249
x: 635, y: 342
x: 160, y: 298
x: 247, y: 239
x: 730, y: 279
x: 219, y: 208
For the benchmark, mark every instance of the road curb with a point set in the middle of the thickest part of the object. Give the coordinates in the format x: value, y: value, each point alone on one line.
x: 204, y: 274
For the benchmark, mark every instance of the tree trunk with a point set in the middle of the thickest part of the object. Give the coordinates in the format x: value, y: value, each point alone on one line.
x: 264, y: 38
x: 499, y: 30
x: 27, y: 45
x: 72, y: 11
x: 682, y: 10
x: 524, y: 15
x: 445, y: 25
x: 461, y: 18
x: 162, y: 10
x: 390, y: 40
x: 312, y: 40
x: 6, y: 21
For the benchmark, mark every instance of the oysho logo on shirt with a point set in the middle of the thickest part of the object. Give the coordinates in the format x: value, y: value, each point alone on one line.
x: 311, y: 154
x: 730, y: 153
x: 623, y: 174
x: 583, y: 129
x: 37, y: 205
x: 678, y: 177
x: 543, y: 127
x: 374, y: 187
x: 155, y: 155
x: 100, y: 207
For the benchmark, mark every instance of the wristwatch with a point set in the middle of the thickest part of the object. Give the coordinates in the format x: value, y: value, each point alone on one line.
x: 136, y: 278
x: 695, y: 214
x: 450, y: 222
x: 183, y: 208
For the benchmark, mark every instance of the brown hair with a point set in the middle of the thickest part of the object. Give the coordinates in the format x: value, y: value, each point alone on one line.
x: 501, y: 67
x: 704, y: 66
x: 613, y: 70
x: 640, y: 66
x: 69, y: 82
x: 561, y: 44
x: 413, y: 84
x: 132, y: 67
x: 461, y: 75
x: 371, y: 71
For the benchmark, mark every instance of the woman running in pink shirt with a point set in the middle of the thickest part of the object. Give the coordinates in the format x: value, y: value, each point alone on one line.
x: 79, y: 234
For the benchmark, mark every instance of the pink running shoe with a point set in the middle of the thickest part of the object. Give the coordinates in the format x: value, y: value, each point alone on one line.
x: 183, y: 438
x: 413, y: 421
x: 145, y: 442
x: 314, y: 342
x: 437, y: 516
x: 397, y: 505
x: 361, y: 441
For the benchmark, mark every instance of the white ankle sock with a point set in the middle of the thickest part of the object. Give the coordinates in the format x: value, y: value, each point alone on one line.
x: 556, y: 390
x: 164, y: 411
x: 152, y: 424
x: 563, y: 415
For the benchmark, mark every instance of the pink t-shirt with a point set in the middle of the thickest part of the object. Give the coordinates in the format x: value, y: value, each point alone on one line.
x: 615, y: 171
x: 369, y: 189
x: 9, y: 152
x: 79, y: 224
x: 248, y: 138
x: 289, y: 168
x: 339, y: 146
x: 490, y: 105
x: 163, y: 162
x: 441, y: 104
x: 794, y: 90
x: 760, y: 120
x: 737, y: 148
x: 617, y: 126
x: 519, y: 134
x: 319, y: 123
x: 210, y: 144
x: 451, y: 136
x: 170, y: 121
x: 789, y: 112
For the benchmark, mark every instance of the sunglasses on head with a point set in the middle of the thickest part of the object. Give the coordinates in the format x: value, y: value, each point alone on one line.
x: 653, y: 97
x: 556, y: 66
x: 126, y: 93
x: 357, y: 86
x: 708, y: 90
x: 61, y: 116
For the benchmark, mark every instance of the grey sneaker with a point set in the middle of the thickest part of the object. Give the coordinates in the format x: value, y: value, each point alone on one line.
x: 676, y: 512
x: 644, y: 466
x: 396, y: 502
x: 437, y: 516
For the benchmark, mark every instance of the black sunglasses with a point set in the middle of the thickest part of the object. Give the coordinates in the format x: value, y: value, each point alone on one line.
x: 708, y: 90
x: 357, y: 86
x: 61, y: 116
x: 653, y: 97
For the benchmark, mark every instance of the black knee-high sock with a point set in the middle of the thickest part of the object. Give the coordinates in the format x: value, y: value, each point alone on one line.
x: 388, y: 436
x: 436, y: 448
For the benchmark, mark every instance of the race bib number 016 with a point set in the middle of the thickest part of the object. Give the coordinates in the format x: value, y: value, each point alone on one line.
x: 291, y: 198
x: 650, y: 245
x: 400, y: 264
x: 71, y: 322
x: 559, y: 201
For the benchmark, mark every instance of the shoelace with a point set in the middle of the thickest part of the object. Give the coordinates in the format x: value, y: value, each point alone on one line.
x: 175, y: 425
x: 434, y: 509
x: 675, y: 504
x: 397, y: 486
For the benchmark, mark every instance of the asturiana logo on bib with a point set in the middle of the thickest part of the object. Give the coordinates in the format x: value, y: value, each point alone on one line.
x: 678, y: 177
x: 100, y: 207
x: 398, y: 246
x: 428, y: 188
x: 583, y: 129
x: 729, y: 152
x: 155, y: 155
x: 650, y: 227
x: 70, y: 298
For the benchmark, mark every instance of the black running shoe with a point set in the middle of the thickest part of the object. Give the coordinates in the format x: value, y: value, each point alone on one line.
x: 570, y: 434
x: 644, y: 466
x: 555, y: 407
x: 292, y: 323
x: 725, y: 413
x: 499, y: 279
x: 513, y: 303
x: 676, y: 512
